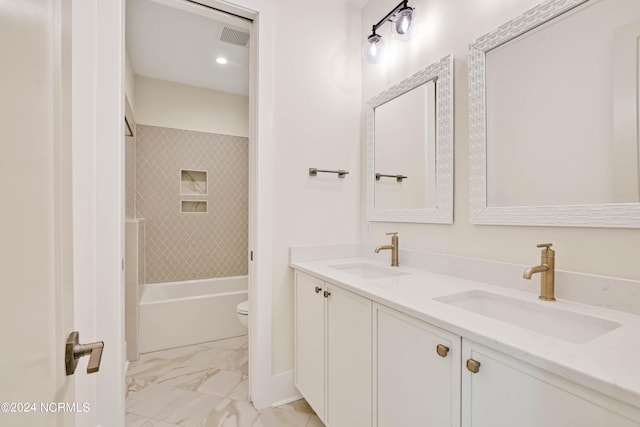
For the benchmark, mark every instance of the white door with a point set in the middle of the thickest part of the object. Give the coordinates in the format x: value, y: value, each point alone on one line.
x: 60, y: 210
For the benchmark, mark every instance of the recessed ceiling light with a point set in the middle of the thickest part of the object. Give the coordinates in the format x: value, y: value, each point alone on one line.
x: 221, y: 60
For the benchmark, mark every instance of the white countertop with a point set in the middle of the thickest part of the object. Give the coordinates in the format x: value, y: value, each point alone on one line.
x: 609, y: 363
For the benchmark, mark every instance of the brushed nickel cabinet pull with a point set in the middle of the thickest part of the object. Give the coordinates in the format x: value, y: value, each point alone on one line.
x: 318, y: 289
x: 473, y: 366
x: 442, y: 350
x: 326, y: 294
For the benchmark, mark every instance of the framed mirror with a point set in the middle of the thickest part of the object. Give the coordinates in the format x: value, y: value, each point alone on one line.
x: 409, y: 148
x: 553, y: 117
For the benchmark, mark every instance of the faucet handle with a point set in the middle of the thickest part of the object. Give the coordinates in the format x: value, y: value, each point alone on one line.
x: 547, y: 246
x: 393, y: 233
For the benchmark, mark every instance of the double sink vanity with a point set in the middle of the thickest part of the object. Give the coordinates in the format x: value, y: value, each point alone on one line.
x: 439, y: 340
x: 402, y: 346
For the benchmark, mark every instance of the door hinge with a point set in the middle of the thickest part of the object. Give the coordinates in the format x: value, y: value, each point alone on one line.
x: 122, y: 264
x: 250, y: 255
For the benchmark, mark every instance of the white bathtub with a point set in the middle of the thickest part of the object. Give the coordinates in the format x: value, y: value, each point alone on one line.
x: 184, y: 313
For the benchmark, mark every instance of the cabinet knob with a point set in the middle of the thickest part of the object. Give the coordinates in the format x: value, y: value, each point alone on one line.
x: 442, y: 350
x: 473, y: 366
x: 318, y: 289
x: 326, y: 294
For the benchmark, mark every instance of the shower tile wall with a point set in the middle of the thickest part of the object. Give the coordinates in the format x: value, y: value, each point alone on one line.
x: 186, y: 246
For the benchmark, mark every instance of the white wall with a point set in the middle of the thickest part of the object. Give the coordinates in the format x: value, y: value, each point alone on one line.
x: 449, y: 27
x: 316, y: 124
x: 174, y: 105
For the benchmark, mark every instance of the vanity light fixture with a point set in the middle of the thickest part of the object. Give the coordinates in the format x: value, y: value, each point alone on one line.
x: 401, y: 17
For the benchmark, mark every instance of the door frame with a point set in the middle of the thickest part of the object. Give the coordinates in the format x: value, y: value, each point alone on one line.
x: 99, y: 25
x: 97, y: 119
x: 97, y: 115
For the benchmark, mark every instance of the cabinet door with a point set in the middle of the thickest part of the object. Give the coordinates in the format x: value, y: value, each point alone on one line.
x: 348, y: 359
x: 506, y: 392
x: 310, y: 341
x: 414, y: 385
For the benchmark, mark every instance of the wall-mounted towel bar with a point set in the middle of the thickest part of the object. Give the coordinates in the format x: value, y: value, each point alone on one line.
x: 398, y: 178
x: 314, y: 172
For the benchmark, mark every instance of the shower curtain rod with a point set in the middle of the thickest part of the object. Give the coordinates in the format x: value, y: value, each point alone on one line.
x: 220, y: 10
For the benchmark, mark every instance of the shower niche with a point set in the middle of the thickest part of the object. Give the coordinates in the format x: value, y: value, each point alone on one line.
x: 193, y: 183
x: 193, y: 206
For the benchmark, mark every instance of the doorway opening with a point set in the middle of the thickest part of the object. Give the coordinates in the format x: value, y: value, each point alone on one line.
x: 187, y: 199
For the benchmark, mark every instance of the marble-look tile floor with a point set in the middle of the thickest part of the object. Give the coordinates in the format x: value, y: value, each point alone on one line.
x: 203, y: 385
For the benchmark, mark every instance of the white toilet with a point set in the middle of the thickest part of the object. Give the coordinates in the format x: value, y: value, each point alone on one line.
x: 242, y: 310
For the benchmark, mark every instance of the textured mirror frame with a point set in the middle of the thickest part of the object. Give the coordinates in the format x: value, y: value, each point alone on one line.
x: 621, y: 215
x: 442, y: 73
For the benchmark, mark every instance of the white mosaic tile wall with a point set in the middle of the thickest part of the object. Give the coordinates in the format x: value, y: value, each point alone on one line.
x: 196, y: 245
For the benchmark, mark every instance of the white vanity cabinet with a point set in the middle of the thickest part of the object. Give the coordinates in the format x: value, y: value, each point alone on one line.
x: 506, y: 392
x: 310, y: 341
x: 416, y: 371
x: 360, y: 364
x: 333, y: 351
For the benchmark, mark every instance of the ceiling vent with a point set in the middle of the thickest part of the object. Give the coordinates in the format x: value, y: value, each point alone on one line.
x: 234, y: 36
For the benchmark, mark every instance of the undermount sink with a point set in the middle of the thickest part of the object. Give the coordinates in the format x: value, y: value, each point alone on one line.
x: 367, y: 271
x: 566, y: 325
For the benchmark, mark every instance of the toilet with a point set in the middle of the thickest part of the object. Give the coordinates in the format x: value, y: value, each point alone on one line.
x: 242, y: 310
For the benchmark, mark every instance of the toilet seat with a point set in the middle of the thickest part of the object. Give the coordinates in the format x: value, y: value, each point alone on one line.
x: 243, y: 308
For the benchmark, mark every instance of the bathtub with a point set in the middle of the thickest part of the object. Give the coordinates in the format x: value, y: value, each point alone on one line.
x: 184, y: 313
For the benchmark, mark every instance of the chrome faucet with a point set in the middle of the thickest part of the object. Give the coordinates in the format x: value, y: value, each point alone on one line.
x: 393, y: 247
x: 546, y: 270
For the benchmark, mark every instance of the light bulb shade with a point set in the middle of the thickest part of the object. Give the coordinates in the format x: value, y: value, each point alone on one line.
x: 373, y: 49
x: 403, y: 24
